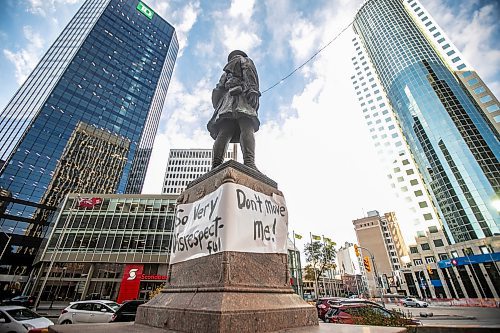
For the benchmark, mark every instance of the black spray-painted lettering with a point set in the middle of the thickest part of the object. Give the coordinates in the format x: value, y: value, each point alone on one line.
x: 251, y: 204
x: 178, y: 220
x: 198, y: 237
x: 276, y: 209
x: 262, y: 232
x: 200, y: 212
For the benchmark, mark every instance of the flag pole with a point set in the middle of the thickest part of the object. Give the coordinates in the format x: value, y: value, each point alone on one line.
x: 314, y: 270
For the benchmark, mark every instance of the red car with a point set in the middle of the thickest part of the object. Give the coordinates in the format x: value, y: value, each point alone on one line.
x: 324, y: 304
x: 356, y: 314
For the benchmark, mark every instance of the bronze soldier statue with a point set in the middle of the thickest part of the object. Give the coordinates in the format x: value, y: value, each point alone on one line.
x: 236, y: 102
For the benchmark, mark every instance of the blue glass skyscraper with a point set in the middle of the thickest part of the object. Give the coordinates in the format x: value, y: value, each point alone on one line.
x: 85, y: 119
x: 455, y: 148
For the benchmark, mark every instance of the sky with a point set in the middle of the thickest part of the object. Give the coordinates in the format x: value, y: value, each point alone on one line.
x: 313, y: 140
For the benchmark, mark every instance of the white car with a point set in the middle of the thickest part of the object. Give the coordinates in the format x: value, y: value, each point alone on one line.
x: 414, y: 302
x: 98, y: 311
x: 18, y: 319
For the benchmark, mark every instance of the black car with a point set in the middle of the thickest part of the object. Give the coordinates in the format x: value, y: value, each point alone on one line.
x: 26, y: 301
x: 127, y: 311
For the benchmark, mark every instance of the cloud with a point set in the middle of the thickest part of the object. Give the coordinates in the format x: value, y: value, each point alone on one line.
x: 236, y: 29
x: 26, y: 58
x: 46, y: 7
x: 182, y: 18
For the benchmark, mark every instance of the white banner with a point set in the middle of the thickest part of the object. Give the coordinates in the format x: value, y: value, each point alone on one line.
x: 232, y: 218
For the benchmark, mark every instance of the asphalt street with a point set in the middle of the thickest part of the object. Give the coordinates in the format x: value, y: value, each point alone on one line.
x: 454, y: 316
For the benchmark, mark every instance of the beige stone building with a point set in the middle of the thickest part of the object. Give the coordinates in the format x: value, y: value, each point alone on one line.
x: 379, y: 236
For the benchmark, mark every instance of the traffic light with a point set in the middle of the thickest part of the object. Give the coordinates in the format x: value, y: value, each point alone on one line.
x: 356, y: 250
x: 366, y: 262
x: 429, y: 269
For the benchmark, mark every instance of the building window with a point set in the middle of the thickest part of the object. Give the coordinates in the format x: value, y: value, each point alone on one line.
x: 418, y: 193
x: 413, y: 249
x: 430, y: 260
x: 473, y: 81
x: 479, y: 90
x: 492, y: 108
x: 425, y: 246
x: 443, y: 256
x: 433, y: 229
x: 427, y: 216
x: 485, y: 99
x: 422, y: 204
x: 438, y: 242
x: 417, y: 262
x: 484, y: 249
x: 468, y: 251
x: 454, y: 254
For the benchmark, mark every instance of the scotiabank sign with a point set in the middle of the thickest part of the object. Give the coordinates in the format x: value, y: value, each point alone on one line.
x: 153, y: 277
x: 129, y: 288
x: 131, y: 280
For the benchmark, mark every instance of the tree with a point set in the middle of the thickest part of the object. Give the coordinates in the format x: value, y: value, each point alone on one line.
x: 320, y: 258
x: 157, y: 291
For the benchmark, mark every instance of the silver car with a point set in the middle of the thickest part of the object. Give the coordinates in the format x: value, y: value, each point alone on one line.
x: 98, y: 311
x: 18, y: 319
x: 414, y: 302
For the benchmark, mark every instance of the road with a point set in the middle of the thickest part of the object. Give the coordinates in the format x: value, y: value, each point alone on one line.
x: 454, y: 316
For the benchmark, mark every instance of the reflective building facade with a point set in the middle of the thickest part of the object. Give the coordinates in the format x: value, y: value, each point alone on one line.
x: 109, y: 70
x: 454, y: 146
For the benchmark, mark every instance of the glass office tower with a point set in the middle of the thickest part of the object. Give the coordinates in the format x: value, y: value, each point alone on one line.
x: 109, y: 70
x: 455, y: 148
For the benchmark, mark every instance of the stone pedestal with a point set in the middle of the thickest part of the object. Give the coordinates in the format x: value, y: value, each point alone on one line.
x: 228, y: 291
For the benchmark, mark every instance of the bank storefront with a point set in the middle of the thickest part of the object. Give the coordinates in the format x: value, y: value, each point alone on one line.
x: 96, y: 241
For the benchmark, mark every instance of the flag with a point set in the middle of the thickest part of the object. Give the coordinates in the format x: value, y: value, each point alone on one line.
x: 317, y: 238
x: 298, y: 236
x: 89, y: 202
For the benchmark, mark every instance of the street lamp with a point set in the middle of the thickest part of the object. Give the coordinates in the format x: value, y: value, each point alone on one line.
x: 377, y: 282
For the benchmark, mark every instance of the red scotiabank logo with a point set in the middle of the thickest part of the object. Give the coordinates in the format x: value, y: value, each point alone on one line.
x: 89, y: 202
x: 129, y: 287
x: 132, y: 274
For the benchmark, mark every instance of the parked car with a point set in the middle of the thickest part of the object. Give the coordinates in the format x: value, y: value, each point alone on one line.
x: 325, y: 303
x: 98, y: 311
x: 18, y: 319
x: 414, y: 302
x: 127, y: 311
x: 364, y: 312
x: 26, y: 301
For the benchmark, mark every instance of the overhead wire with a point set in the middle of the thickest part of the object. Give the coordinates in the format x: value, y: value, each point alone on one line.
x: 310, y: 58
